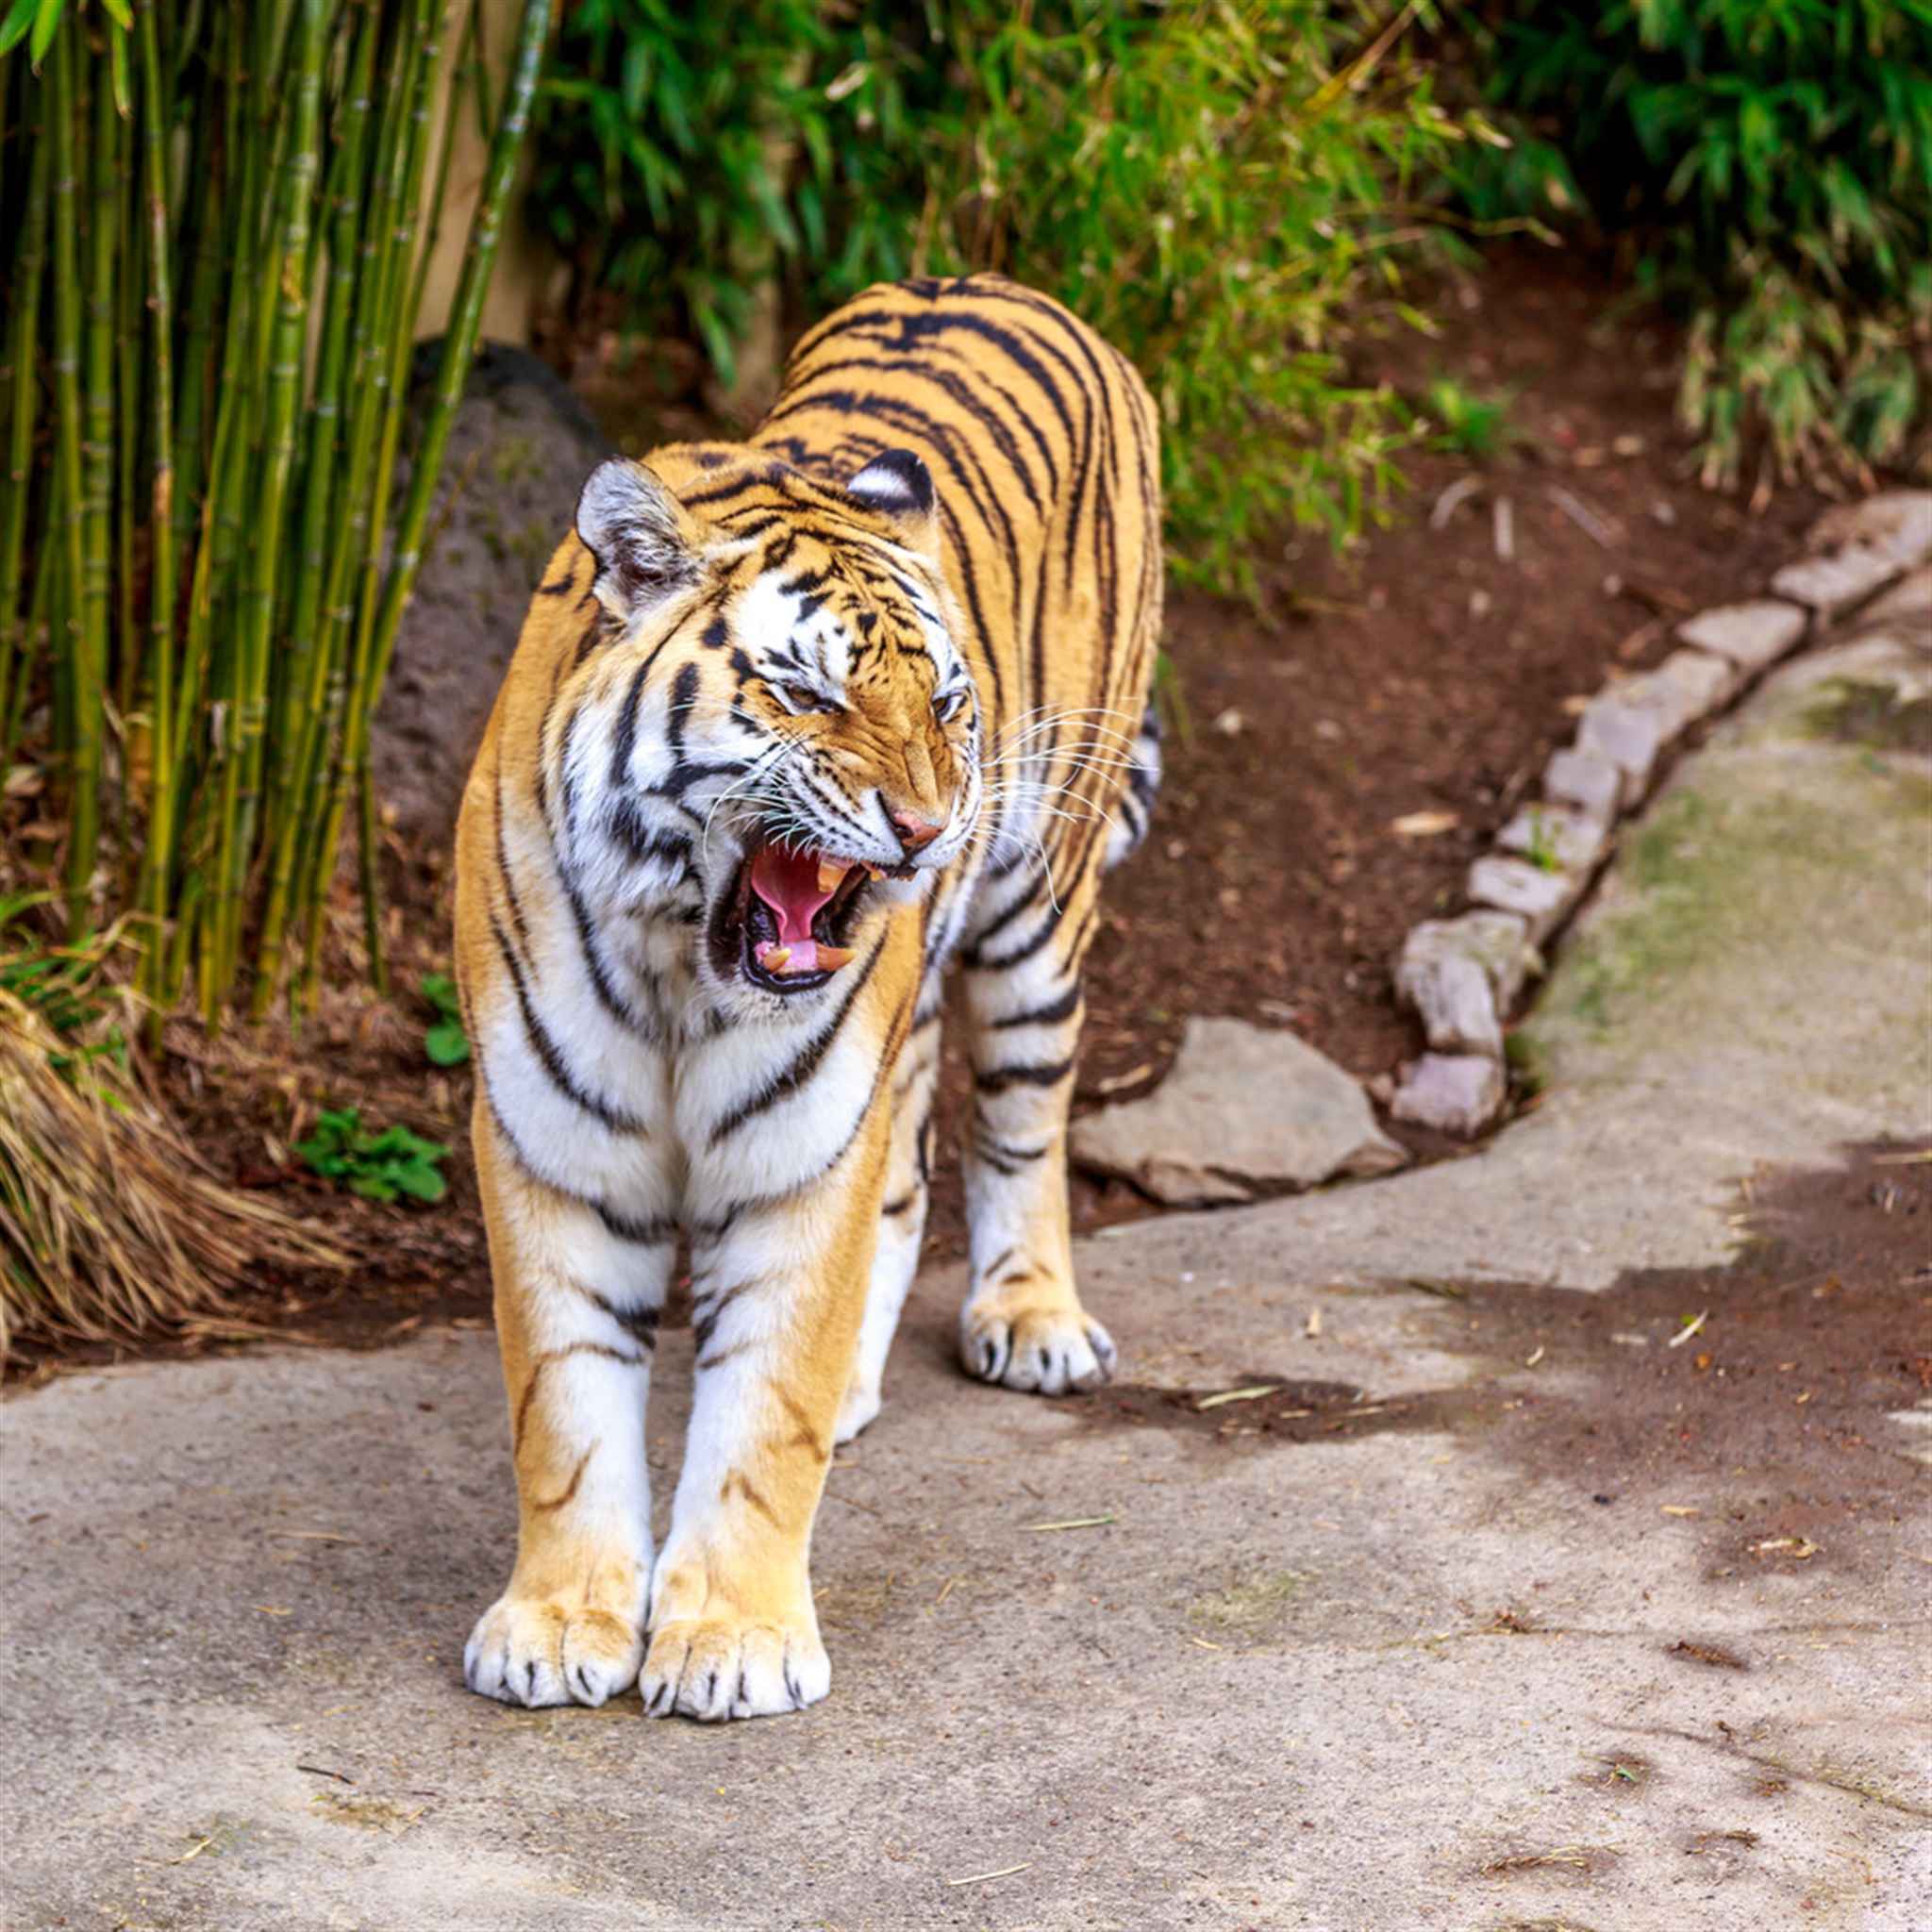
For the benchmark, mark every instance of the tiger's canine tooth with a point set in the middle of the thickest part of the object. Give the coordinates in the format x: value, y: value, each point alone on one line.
x: 830, y: 872
x: 832, y: 958
x: 774, y: 961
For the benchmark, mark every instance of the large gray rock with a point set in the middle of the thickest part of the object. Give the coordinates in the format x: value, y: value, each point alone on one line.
x: 519, y: 452
x: 1750, y: 635
x: 1244, y: 1112
x: 1461, y: 977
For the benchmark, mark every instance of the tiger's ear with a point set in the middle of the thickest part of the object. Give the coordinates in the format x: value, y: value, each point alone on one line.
x: 644, y: 540
x: 896, y: 485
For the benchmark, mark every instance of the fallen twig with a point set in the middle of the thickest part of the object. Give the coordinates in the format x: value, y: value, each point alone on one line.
x: 1583, y: 516
x: 980, y: 1878
x: 1452, y: 500
x: 1249, y: 1394
x: 1688, y: 1329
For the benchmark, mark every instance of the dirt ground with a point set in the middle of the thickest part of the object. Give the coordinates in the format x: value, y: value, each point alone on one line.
x: 1422, y: 671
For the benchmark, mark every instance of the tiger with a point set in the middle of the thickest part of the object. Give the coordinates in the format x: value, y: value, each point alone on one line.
x: 799, y: 732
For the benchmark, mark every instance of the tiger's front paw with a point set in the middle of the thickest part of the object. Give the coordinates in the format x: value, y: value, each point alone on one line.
x: 718, y: 1667
x: 1047, y: 1351
x: 541, y: 1650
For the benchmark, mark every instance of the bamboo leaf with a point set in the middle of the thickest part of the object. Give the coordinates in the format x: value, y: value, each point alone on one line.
x: 13, y: 28
x: 45, y: 24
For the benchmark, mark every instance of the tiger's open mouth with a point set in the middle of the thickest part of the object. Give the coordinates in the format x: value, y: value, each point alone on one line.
x: 783, y: 924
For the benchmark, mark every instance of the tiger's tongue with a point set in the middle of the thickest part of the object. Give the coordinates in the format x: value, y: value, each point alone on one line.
x: 788, y: 882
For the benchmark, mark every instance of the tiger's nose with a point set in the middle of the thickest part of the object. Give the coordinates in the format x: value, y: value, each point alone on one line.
x: 913, y: 833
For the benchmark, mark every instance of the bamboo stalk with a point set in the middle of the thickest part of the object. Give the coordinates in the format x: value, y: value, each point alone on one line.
x: 65, y: 505
x: 22, y: 343
x: 128, y: 309
x: 157, y: 856
x: 90, y: 667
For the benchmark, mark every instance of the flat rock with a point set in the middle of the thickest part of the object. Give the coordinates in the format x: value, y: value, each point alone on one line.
x: 1861, y: 547
x: 1751, y: 635
x: 1461, y: 974
x: 1455, y: 1093
x: 1244, y: 1112
x: 1574, y: 839
x: 1688, y: 686
x: 1618, y: 726
x: 1513, y: 885
x: 1585, y: 779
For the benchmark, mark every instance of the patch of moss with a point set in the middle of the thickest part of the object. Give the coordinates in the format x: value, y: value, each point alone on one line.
x: 1703, y: 868
x: 1872, y: 712
x: 1251, y: 1607
x: 1528, y: 1063
x: 366, y: 1814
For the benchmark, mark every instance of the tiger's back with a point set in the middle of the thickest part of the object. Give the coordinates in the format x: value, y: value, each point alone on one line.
x: 794, y: 723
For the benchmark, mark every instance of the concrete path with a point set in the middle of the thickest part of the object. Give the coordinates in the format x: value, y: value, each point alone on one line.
x: 1478, y: 1618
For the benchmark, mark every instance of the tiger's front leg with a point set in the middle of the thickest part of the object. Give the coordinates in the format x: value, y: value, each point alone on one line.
x: 578, y: 1298
x: 778, y: 1292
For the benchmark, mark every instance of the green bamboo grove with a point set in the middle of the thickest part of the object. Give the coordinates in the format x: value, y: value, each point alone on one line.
x: 216, y: 218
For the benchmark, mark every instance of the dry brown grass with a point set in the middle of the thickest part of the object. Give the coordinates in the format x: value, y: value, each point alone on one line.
x: 110, y: 1226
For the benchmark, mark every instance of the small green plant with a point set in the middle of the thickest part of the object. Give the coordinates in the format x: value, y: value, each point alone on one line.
x: 1542, y: 850
x: 445, y: 1041
x: 1467, y: 423
x: 380, y: 1164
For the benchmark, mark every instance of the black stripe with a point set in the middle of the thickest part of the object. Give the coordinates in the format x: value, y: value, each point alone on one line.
x: 1062, y: 1008
x: 608, y: 997
x: 979, y: 962
x: 1021, y: 1073
x: 545, y: 1050
x: 639, y: 1324
x: 643, y: 1234
x: 510, y: 885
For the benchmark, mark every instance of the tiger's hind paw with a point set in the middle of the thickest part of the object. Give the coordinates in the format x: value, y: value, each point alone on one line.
x: 540, y: 1651
x: 1043, y: 1352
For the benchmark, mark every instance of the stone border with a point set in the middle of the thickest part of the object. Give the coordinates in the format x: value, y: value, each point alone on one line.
x: 1464, y: 975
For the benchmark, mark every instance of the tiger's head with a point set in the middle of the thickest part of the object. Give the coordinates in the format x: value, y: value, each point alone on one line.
x: 791, y: 714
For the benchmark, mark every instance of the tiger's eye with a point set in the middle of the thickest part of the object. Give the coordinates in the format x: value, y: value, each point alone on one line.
x: 801, y: 698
